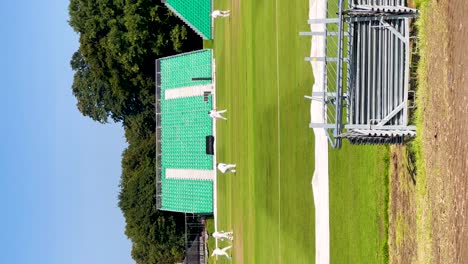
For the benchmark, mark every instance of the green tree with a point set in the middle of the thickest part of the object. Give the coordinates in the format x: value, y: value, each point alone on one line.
x: 114, y: 72
x: 119, y: 42
x: 157, y: 236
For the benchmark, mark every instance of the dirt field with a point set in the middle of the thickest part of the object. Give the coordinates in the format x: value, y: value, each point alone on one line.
x: 445, y: 145
x: 446, y: 133
x: 402, y: 215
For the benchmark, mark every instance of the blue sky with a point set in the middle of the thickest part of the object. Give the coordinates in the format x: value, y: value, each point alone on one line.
x: 59, y: 171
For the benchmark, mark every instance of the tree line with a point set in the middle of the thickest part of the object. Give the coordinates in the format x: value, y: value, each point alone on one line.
x: 114, y: 75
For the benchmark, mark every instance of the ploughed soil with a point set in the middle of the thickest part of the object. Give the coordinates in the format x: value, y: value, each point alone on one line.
x: 445, y: 146
x: 402, y: 208
x: 446, y: 132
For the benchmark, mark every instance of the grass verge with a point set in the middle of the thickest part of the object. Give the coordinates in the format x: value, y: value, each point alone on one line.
x: 423, y: 217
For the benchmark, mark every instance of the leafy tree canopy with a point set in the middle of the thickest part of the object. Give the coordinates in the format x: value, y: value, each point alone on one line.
x: 114, y: 81
x: 157, y: 236
x: 119, y: 42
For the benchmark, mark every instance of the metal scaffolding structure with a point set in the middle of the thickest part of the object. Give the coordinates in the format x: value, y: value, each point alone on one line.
x: 366, y: 71
x: 158, y: 136
x: 196, y: 239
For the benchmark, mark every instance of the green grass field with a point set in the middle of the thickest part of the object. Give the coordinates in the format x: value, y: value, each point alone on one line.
x: 261, y: 80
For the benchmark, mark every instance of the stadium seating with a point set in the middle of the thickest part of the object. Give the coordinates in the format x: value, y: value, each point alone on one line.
x: 185, y: 123
x: 183, y: 133
x: 195, y: 13
x: 178, y: 71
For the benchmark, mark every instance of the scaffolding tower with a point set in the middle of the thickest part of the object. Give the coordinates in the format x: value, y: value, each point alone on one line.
x: 366, y: 71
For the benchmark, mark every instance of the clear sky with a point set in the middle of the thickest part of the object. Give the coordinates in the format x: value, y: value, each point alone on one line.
x: 59, y: 171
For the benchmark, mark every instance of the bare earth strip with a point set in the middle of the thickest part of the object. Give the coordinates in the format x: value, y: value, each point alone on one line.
x: 402, y: 209
x: 444, y: 145
x: 446, y: 133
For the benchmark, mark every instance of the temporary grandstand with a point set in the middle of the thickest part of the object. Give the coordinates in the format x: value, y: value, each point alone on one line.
x: 195, y: 13
x: 185, y: 133
x: 364, y: 68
